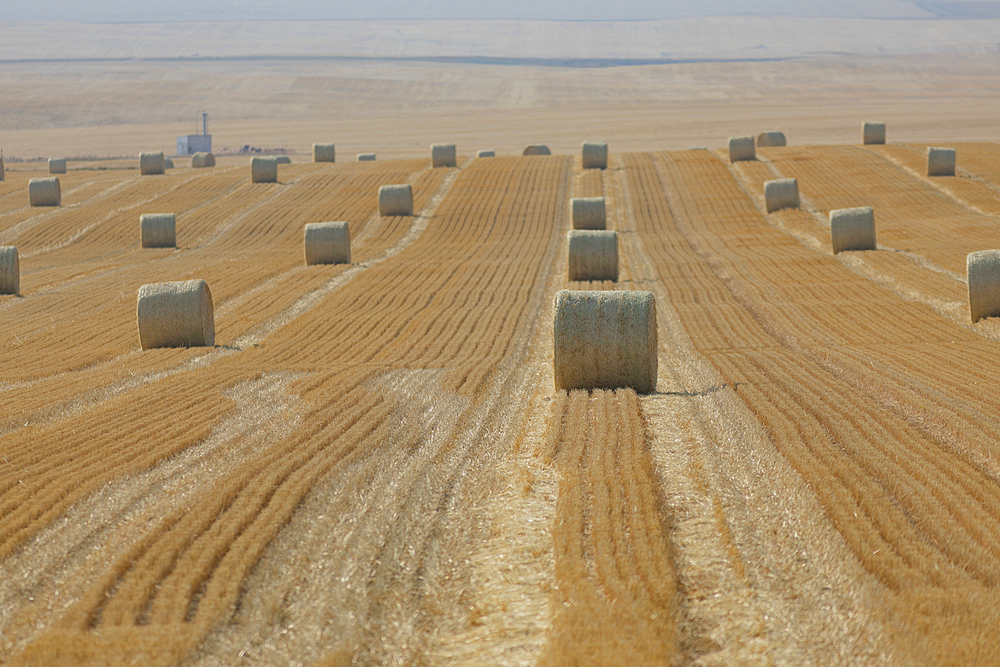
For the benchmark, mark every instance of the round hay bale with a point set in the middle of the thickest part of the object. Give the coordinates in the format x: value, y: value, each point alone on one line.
x: 366, y: 157
x: 873, y: 133
x: 983, y: 275
x: 595, y: 155
x: 10, y: 270
x: 2, y: 175
x: 537, y: 149
x: 852, y: 229
x: 485, y: 154
x: 327, y: 243
x: 202, y: 160
x: 264, y: 170
x: 781, y: 193
x: 151, y: 164
x: 593, y: 254
x: 940, y: 161
x: 742, y: 149
x: 176, y: 314
x: 57, y: 165
x: 443, y: 155
x: 283, y: 159
x: 771, y: 139
x: 588, y: 212
x: 168, y: 163
x: 395, y: 200
x: 158, y: 230
x: 44, y: 192
x: 324, y: 153
x: 605, y: 340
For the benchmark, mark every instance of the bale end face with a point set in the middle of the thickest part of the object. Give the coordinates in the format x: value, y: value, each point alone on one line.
x: 395, y: 200
x: 771, y: 139
x: 594, y: 155
x: 781, y: 193
x: 151, y: 164
x: 940, y: 161
x: 605, y: 340
x: 983, y: 275
x: 366, y: 157
x: 588, y: 212
x: 486, y: 154
x: 324, y: 153
x: 176, y: 314
x: 264, y: 170
x: 158, y: 230
x: 873, y: 133
x: 741, y: 149
x: 57, y: 165
x: 202, y: 160
x: 327, y: 243
x: 593, y: 254
x: 852, y: 229
x: 443, y: 155
x: 44, y: 192
x: 537, y: 149
x: 10, y: 271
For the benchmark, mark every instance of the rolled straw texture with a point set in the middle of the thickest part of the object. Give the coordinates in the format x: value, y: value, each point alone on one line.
x: 366, y: 157
x: 44, y: 192
x: 395, y: 200
x: 781, y: 193
x: 324, y: 153
x: 151, y: 164
x: 264, y: 170
x: 486, y: 154
x: 588, y: 212
x: 283, y: 159
x: 771, y: 139
x: 940, y: 161
x: 443, y: 155
x: 176, y: 314
x: 983, y: 274
x: 873, y: 133
x: 593, y: 254
x: 57, y: 165
x: 852, y: 229
x: 2, y: 175
x: 537, y: 149
x: 741, y: 148
x: 10, y: 270
x: 158, y: 230
x: 594, y: 155
x: 327, y: 243
x: 202, y: 160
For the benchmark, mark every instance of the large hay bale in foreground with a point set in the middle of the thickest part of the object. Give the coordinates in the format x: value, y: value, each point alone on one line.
x: 366, y: 157
x: 605, y: 340
x: 202, y: 160
x: 395, y: 200
x: 537, y: 149
x: 873, y: 133
x: 485, y: 154
x: 264, y: 170
x: 852, y: 229
x: 593, y: 254
x: 10, y: 270
x: 771, y: 139
x: 327, y: 243
x: 742, y: 149
x: 595, y: 155
x: 151, y: 164
x: 44, y: 192
x: 983, y: 275
x: 57, y: 165
x: 940, y: 161
x: 781, y: 193
x: 324, y: 153
x: 588, y: 212
x: 443, y: 155
x: 158, y: 230
x: 176, y: 314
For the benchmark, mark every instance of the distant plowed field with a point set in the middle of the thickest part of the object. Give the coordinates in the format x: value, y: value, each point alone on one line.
x: 372, y: 466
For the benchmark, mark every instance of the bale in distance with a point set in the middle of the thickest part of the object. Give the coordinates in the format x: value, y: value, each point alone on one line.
x: 395, y: 200
x: 781, y: 193
x: 443, y: 155
x: 486, y: 154
x: 202, y: 160
x: 57, y: 165
x: 10, y: 270
x: 771, y: 139
x: 742, y: 149
x: 158, y: 230
x: 593, y: 254
x: 44, y: 192
x: 176, y: 314
x: 2, y: 175
x: 263, y: 170
x: 983, y: 275
x: 537, y: 149
x: 366, y: 157
x: 852, y: 229
x: 873, y: 133
x: 168, y: 163
x: 324, y: 153
x: 605, y: 340
x: 151, y: 164
x: 283, y: 159
x: 588, y: 212
x: 940, y: 161
x: 595, y: 155
x: 327, y: 243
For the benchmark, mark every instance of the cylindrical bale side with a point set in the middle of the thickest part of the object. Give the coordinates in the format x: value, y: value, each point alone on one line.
x: 443, y: 155
x: 395, y: 200
x: 771, y: 139
x: 852, y: 229
x: 486, y: 154
x: 327, y: 243
x: 742, y: 148
x: 168, y: 163
x: 595, y: 155
x: 588, y: 212
x: 873, y: 133
x: 940, y: 161
x: 57, y: 165
x: 781, y: 193
x: 176, y: 314
x: 10, y: 270
x: 151, y: 164
x: 263, y: 170
x: 283, y: 159
x: 202, y: 160
x: 158, y: 230
x: 44, y: 192
x: 366, y: 157
x: 324, y: 153
x: 605, y: 340
x: 2, y: 175
x: 983, y: 275
x: 593, y: 254
x: 537, y: 149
